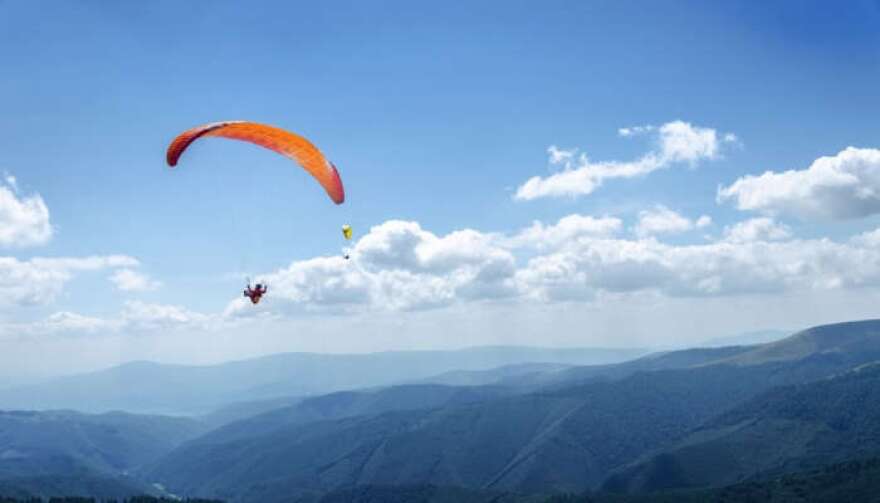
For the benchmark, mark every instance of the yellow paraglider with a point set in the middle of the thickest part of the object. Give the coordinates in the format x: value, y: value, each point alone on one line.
x: 347, y: 233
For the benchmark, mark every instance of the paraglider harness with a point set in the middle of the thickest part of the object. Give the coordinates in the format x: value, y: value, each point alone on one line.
x: 255, y: 294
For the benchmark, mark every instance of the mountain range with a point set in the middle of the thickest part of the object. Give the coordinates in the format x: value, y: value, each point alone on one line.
x: 152, y: 388
x: 690, y: 424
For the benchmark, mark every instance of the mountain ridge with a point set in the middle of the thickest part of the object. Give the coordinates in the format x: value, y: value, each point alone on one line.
x: 154, y: 388
x: 568, y: 436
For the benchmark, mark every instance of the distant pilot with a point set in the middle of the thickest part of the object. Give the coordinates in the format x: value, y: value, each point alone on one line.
x: 255, y: 294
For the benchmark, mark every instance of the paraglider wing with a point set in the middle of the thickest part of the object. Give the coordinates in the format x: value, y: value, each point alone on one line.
x: 284, y: 142
x: 346, y: 231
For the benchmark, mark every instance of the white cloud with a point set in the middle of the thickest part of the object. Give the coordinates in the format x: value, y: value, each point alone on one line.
x: 91, y: 263
x: 560, y: 156
x: 400, y: 266
x: 403, y: 245
x: 135, y: 318
x: 682, y: 142
x: 11, y: 181
x: 730, y: 267
x: 24, y: 221
x: 396, y: 266
x: 662, y: 220
x: 129, y: 280
x: 41, y: 280
x: 583, y: 178
x: 677, y: 142
x: 757, y: 229
x: 584, y: 270
x: 868, y: 239
x: 635, y: 130
x: 65, y: 321
x: 145, y: 316
x: 843, y: 186
x: 568, y: 228
x: 321, y: 281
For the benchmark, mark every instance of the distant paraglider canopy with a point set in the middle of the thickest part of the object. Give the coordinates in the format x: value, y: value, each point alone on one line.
x: 284, y: 142
x: 347, y: 232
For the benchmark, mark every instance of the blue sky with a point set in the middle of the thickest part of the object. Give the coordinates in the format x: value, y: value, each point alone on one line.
x: 434, y: 114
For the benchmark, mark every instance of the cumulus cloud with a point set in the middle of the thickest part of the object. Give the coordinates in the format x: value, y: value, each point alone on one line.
x: 662, y: 220
x: 843, y: 186
x: 401, y: 266
x: 129, y: 280
x: 66, y: 321
x: 135, y: 318
x: 750, y: 263
x: 396, y: 266
x: 757, y: 229
x: 682, y: 142
x: 24, y: 220
x: 868, y: 239
x: 41, y: 280
x: 677, y: 142
x: 567, y: 229
x: 145, y: 316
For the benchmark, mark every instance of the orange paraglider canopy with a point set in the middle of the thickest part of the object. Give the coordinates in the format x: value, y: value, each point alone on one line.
x: 284, y: 142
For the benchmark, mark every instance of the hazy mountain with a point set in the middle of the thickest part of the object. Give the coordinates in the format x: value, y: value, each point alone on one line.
x: 569, y: 439
x: 327, y: 407
x: 747, y: 339
x: 666, y: 360
x: 524, y: 371
x: 242, y: 410
x: 562, y: 438
x: 68, y: 453
x: 789, y: 428
x: 855, y: 341
x: 843, y: 344
x: 178, y: 389
x: 524, y: 377
x: 677, y: 419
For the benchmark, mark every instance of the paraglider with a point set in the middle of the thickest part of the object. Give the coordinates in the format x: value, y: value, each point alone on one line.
x: 255, y: 294
x: 288, y: 144
x: 347, y: 233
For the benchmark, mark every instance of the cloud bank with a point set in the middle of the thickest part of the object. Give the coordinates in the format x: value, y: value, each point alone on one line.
x: 400, y: 266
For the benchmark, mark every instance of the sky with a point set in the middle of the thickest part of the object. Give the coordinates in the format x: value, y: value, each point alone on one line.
x: 592, y: 174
